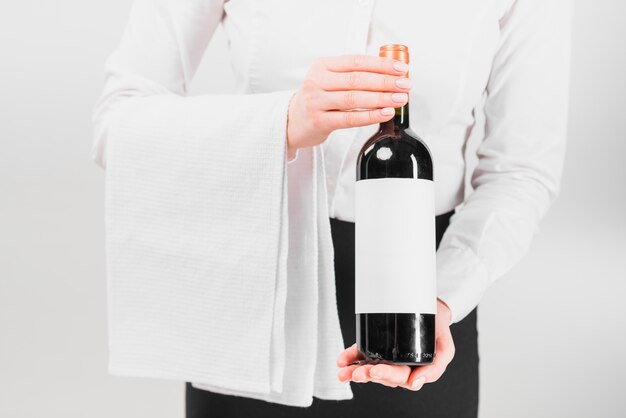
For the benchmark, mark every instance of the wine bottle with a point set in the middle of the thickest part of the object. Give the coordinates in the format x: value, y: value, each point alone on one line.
x: 395, y: 284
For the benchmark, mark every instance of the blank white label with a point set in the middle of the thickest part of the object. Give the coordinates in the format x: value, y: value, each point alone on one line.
x: 395, y: 246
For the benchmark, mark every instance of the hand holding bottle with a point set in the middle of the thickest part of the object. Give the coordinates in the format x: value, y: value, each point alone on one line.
x: 334, y: 86
x: 399, y: 375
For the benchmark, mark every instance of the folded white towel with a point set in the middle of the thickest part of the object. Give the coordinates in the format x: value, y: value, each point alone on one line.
x: 219, y: 253
x: 312, y: 332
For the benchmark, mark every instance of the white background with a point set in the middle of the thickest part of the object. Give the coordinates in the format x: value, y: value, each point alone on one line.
x: 552, y: 337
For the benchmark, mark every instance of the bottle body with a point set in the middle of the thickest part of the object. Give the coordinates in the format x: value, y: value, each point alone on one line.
x: 395, y: 288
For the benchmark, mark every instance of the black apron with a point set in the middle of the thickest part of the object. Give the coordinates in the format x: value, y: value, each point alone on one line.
x: 454, y: 395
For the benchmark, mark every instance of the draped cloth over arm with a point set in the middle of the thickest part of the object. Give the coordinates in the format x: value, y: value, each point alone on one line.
x: 521, y: 157
x: 215, y: 262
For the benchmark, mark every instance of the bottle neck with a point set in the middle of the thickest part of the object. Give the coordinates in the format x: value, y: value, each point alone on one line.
x: 400, y: 120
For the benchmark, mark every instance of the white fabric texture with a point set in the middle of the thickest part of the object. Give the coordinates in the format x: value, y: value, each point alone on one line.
x: 219, y: 254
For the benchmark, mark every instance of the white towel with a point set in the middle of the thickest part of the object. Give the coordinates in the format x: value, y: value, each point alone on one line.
x: 313, y: 335
x: 219, y: 253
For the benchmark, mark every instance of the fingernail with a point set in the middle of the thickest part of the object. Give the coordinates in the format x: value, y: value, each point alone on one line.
x: 387, y: 111
x: 418, y: 383
x: 400, y: 66
x: 374, y: 373
x: 399, y: 97
x: 403, y: 83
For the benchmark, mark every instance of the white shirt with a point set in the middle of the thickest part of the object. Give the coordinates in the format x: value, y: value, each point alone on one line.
x: 219, y: 255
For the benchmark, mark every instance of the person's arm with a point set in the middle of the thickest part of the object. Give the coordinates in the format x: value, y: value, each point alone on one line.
x: 197, y: 224
x: 520, y: 159
x: 517, y: 177
x: 195, y: 208
x: 149, y: 73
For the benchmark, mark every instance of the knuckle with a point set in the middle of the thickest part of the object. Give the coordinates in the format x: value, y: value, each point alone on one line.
x: 350, y: 119
x: 316, y: 120
x: 388, y: 83
x: 372, y: 116
x: 352, y: 79
x: 350, y: 99
x: 357, y: 61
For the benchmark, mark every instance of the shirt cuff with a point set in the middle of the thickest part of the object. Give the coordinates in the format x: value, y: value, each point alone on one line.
x: 462, y: 279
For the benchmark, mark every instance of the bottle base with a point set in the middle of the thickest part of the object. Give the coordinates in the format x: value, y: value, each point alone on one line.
x: 396, y: 338
x: 372, y: 358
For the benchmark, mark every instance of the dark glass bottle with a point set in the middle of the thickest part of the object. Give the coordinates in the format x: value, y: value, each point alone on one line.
x: 395, y: 243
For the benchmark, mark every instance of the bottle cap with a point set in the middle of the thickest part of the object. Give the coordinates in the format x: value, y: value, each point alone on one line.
x: 395, y: 51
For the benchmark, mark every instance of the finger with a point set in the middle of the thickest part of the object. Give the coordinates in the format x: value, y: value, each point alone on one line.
x: 392, y: 375
x: 361, y: 373
x: 349, y: 119
x: 345, y: 373
x: 357, y: 80
x: 355, y: 99
x: 349, y: 355
x: 358, y: 62
x: 415, y: 383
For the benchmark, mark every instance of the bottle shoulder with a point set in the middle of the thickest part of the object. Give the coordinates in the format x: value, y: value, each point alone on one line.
x: 401, y: 153
x: 409, y: 139
x: 418, y: 143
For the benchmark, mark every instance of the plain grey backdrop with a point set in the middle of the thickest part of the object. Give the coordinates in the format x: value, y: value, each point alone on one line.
x: 552, y: 334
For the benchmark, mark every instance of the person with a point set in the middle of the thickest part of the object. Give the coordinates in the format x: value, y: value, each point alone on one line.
x: 230, y: 218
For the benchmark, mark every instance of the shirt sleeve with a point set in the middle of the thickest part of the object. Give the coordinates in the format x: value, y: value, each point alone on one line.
x: 520, y: 159
x: 195, y: 209
x: 158, y: 55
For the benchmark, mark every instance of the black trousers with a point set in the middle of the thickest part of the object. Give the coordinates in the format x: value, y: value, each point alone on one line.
x: 454, y: 395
